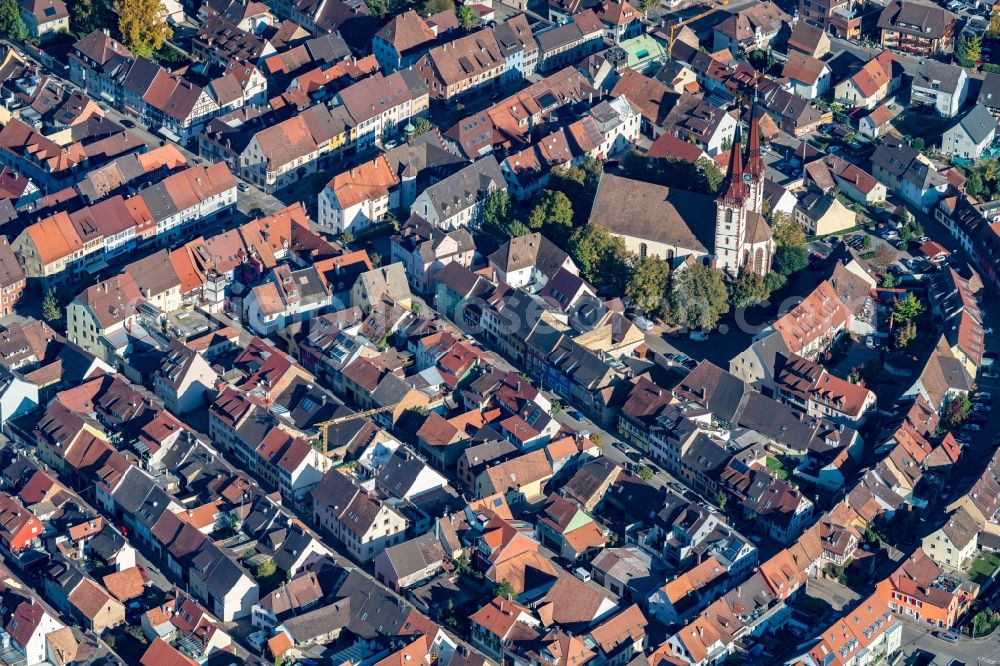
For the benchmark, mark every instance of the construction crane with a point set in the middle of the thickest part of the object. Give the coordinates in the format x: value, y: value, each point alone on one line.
x: 324, y: 426
x: 680, y: 24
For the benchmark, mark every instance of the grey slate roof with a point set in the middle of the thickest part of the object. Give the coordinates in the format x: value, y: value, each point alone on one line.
x: 319, y: 622
x: 978, y: 124
x: 938, y: 75
x: 466, y: 186
x: 415, y: 555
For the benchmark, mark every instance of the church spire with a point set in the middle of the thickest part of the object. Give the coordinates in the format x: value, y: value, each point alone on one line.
x: 737, y: 190
x: 755, y: 163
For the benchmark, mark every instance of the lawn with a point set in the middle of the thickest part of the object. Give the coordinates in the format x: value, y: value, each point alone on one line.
x: 983, y: 567
x: 776, y: 468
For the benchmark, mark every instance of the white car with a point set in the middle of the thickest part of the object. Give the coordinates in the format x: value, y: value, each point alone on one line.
x: 642, y: 323
x: 698, y: 336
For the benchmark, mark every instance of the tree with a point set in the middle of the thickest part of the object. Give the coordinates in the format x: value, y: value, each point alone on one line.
x: 643, y: 472
x: 421, y: 126
x: 603, y: 258
x: 595, y: 438
x: 774, y: 281
x: 789, y: 260
x: 553, y: 216
x: 504, y: 589
x: 711, y: 173
x: 993, y: 31
x: 466, y: 17
x: 957, y: 410
x: 906, y: 334
x: 982, y: 622
x: 883, y: 257
x: 266, y: 569
x: 648, y: 283
x: 376, y: 258
x: 907, y: 308
x: 437, y: 6
x: 748, y: 289
x: 11, y: 24
x: 787, y: 232
x: 969, y: 49
x: 497, y: 210
x: 51, y: 310
x: 917, y: 143
x: 974, y: 185
x: 579, y: 183
x: 890, y: 280
x: 700, y: 297
x: 142, y: 25
x: 86, y: 16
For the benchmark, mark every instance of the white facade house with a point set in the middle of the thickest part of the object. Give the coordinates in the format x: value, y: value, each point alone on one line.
x: 359, y: 198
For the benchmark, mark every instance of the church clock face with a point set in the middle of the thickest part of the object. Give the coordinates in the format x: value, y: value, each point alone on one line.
x: 747, y: 178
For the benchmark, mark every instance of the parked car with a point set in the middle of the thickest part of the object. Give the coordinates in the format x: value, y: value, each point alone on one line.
x: 643, y: 323
x: 947, y: 637
x: 870, y: 342
x: 575, y: 415
x: 243, y: 187
x: 698, y: 336
x: 974, y: 427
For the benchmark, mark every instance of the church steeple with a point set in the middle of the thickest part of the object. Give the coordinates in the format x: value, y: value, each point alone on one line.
x: 755, y: 162
x: 736, y: 192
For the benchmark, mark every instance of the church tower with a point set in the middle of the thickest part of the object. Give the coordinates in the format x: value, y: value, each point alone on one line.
x: 755, y: 163
x: 731, y: 213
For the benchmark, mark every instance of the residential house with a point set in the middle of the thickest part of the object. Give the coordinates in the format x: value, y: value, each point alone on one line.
x: 568, y: 530
x: 424, y: 250
x: 808, y: 38
x: 755, y: 27
x: 921, y: 590
x: 99, y: 319
x: 904, y: 171
x: 807, y: 385
x: 371, y: 287
x: 358, y: 199
x: 822, y: 214
x: 971, y: 135
x: 401, y: 41
x: 364, y: 524
x: 409, y: 563
x: 877, y: 80
x: 876, y: 123
x: 569, y: 43
x: 809, y: 77
x: 869, y: 629
x: 953, y: 545
x: 916, y: 28
x: 183, y: 379
x: 462, y: 67
x: 44, y: 18
x: 941, y: 86
x: 27, y: 625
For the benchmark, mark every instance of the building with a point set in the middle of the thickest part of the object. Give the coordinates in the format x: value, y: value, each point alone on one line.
x: 941, y: 86
x: 917, y: 28
x: 45, y: 18
x: 729, y: 232
x: 953, y: 545
x: 877, y: 79
x: 971, y: 135
x: 751, y: 28
x: 808, y: 76
x: 858, y: 637
x: 100, y: 318
x: 462, y: 67
x: 457, y: 201
x: 822, y: 17
x: 807, y: 385
x: 409, y: 563
x: 364, y: 524
x: 358, y: 199
x: 183, y: 379
x: 18, y: 527
x: 908, y: 173
x: 921, y: 590
x: 822, y: 214
x: 567, y: 44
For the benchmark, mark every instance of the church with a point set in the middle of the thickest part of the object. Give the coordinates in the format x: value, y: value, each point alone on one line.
x: 727, y: 231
